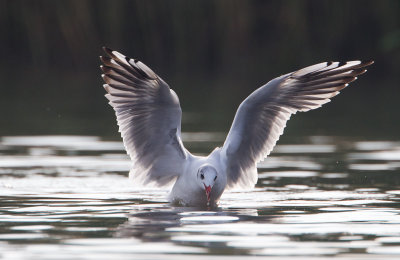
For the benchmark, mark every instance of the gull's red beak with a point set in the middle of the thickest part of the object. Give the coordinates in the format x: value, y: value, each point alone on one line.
x: 208, y: 191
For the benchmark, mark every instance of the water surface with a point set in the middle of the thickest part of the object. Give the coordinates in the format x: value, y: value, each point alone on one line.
x: 68, y: 197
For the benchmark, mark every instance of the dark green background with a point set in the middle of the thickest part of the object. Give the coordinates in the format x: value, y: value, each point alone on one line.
x: 212, y: 53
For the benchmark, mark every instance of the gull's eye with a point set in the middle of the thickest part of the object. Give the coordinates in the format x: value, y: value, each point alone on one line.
x: 215, y: 177
x: 202, y: 176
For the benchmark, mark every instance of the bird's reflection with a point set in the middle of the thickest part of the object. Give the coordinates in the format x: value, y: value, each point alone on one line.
x: 153, y: 222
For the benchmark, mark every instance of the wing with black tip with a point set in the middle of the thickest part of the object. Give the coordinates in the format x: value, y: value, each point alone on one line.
x: 262, y: 117
x: 149, y: 118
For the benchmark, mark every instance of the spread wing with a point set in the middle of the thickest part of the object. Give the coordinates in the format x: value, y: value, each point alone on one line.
x: 262, y: 116
x: 149, y: 118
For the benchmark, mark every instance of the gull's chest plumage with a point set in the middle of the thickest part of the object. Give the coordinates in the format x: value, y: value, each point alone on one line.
x: 188, y: 192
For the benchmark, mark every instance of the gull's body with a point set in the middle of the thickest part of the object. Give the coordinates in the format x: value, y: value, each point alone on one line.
x: 149, y: 118
x: 186, y: 191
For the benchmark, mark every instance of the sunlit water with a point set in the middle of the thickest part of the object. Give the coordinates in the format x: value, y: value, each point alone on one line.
x: 68, y: 197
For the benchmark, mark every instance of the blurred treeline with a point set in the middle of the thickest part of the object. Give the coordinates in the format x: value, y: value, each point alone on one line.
x: 213, y: 53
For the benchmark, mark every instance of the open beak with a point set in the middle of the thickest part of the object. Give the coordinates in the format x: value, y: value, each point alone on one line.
x: 208, y: 191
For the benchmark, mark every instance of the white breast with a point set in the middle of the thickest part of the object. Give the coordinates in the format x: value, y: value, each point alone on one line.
x: 187, y: 190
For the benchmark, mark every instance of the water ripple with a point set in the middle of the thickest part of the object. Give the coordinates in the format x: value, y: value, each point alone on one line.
x: 68, y: 197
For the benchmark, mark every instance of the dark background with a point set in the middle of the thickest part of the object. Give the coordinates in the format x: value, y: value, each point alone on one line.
x: 212, y: 53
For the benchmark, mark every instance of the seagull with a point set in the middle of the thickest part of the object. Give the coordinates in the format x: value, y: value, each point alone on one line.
x: 149, y: 119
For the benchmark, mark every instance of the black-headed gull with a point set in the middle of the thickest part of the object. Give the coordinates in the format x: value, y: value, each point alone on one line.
x: 149, y: 119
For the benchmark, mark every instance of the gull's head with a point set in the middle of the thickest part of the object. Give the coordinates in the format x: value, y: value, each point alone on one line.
x: 207, y: 176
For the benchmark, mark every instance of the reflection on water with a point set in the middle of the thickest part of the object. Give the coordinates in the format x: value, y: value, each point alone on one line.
x: 68, y: 197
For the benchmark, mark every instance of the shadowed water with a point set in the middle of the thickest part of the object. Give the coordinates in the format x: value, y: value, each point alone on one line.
x: 68, y: 197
